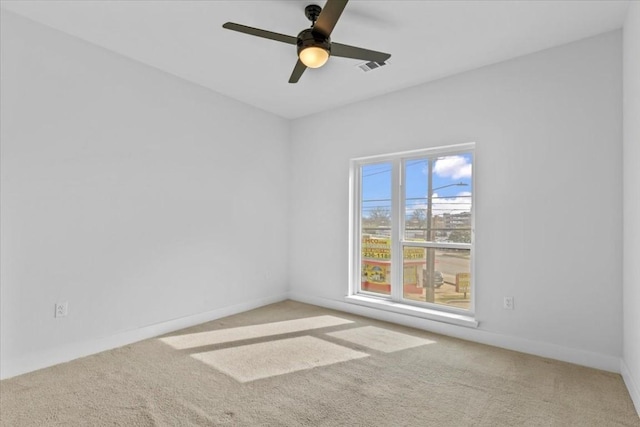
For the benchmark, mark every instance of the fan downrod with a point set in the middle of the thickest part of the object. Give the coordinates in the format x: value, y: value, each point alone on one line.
x: 312, y: 12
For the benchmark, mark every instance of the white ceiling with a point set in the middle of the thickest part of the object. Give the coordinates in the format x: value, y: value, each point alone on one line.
x: 428, y: 40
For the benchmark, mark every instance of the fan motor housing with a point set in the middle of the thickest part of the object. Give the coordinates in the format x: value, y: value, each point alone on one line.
x: 312, y: 12
x: 309, y: 37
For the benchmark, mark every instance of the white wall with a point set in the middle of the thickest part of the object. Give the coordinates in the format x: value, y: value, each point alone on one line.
x: 631, y: 210
x: 548, y: 194
x: 130, y: 194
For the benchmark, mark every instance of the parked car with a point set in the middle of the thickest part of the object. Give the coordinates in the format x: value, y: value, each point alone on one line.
x: 438, y: 278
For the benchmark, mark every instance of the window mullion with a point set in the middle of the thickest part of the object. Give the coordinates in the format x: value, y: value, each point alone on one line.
x: 355, y: 226
x: 436, y: 245
x: 397, y: 221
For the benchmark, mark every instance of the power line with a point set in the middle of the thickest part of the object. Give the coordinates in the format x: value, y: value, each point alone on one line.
x: 415, y: 162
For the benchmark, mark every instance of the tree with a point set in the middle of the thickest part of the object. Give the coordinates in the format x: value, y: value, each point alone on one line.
x: 419, y: 218
x: 378, y: 217
x: 460, y: 236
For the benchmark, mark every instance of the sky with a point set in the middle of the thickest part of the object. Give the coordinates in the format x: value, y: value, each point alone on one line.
x: 448, y: 170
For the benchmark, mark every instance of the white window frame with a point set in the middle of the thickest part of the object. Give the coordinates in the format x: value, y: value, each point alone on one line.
x: 395, y: 301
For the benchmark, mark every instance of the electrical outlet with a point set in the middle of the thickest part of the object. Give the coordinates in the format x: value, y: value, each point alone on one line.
x: 61, y: 309
x: 508, y: 303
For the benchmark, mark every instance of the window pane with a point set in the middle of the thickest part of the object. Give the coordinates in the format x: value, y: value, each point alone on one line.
x: 438, y: 199
x: 375, y: 215
x: 440, y: 276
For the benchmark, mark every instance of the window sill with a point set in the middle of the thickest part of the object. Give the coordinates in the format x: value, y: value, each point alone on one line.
x: 410, y: 310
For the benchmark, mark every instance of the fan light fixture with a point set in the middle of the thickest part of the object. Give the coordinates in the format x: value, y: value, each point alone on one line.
x: 314, y: 57
x: 314, y: 46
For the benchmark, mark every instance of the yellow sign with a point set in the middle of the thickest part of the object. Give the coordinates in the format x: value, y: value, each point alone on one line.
x: 378, y: 274
x: 463, y: 282
x: 379, y: 248
x: 414, y: 253
x: 376, y: 253
x: 410, y: 275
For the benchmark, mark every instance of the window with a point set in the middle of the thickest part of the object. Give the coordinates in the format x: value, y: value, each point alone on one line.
x: 412, y: 228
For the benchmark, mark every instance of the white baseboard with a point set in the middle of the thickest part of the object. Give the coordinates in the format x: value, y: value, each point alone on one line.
x: 67, y: 352
x: 632, y: 385
x: 548, y: 350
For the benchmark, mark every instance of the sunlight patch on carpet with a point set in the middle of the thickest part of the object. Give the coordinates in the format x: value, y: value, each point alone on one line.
x: 380, y: 339
x: 268, y: 359
x: 220, y: 336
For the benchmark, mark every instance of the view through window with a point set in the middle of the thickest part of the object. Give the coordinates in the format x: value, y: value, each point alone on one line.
x: 415, y: 209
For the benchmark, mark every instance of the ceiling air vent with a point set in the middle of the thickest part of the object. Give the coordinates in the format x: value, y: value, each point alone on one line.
x: 368, y: 66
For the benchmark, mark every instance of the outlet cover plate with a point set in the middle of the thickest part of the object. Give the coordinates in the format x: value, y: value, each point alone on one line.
x: 508, y: 303
x: 62, y: 309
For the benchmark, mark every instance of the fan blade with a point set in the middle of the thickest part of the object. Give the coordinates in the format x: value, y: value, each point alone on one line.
x: 297, y: 72
x: 260, y: 33
x: 346, y: 51
x: 329, y: 16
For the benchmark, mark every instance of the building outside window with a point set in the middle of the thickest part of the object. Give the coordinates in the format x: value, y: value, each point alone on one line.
x: 412, y: 228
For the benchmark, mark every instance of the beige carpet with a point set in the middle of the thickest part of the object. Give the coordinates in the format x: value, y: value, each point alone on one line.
x: 292, y: 364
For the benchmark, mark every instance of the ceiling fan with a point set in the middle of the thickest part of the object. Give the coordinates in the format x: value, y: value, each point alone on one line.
x: 314, y: 44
